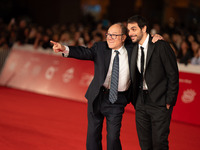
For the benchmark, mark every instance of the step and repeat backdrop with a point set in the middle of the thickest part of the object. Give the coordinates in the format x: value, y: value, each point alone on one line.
x: 44, y: 72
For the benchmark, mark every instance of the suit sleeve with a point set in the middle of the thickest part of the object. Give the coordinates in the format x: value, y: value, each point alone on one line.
x: 169, y: 61
x: 83, y: 53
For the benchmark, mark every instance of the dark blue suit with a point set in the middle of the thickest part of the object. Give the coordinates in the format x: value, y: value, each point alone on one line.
x: 97, y: 96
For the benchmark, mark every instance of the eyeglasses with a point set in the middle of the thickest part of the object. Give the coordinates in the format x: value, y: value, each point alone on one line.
x: 113, y: 36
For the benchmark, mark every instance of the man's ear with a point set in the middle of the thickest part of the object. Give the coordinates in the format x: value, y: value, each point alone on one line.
x: 123, y: 37
x: 144, y: 29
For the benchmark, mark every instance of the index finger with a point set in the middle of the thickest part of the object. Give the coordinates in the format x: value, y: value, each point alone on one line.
x: 53, y: 42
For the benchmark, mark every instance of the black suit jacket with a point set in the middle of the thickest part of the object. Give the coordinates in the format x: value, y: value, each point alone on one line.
x: 161, y: 74
x: 100, y: 54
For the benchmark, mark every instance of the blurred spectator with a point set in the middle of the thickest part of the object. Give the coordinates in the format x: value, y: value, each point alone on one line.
x: 194, y: 47
x: 198, y: 36
x: 103, y: 33
x: 22, y: 32
x: 3, y: 42
x: 11, y: 38
x: 185, y: 54
x: 166, y: 37
x: 45, y: 42
x: 184, y: 42
x: 78, y: 39
x: 65, y: 39
x: 72, y: 29
x: 190, y: 38
x: 97, y: 37
x: 156, y: 29
x: 196, y: 59
x: 87, y: 39
x: 38, y: 40
x: 170, y: 27
x: 32, y: 36
x: 11, y: 28
x: 55, y: 37
x: 176, y: 41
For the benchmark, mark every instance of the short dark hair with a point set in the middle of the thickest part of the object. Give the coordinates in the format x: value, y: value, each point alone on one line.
x: 141, y: 21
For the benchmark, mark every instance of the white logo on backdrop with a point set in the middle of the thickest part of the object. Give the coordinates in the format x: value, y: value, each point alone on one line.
x: 24, y: 69
x: 27, y: 64
x: 14, y: 62
x: 36, y: 70
x: 188, y: 96
x: 50, y: 72
x: 12, y: 66
x: 68, y: 75
x: 187, y: 81
x: 86, y: 79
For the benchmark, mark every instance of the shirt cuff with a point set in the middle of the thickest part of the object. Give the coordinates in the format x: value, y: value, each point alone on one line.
x: 66, y: 52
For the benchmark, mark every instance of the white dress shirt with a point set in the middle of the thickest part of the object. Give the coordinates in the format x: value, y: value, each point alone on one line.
x: 124, y: 75
x: 145, y: 46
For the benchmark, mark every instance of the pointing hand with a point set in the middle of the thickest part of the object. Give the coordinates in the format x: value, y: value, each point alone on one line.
x: 57, y: 47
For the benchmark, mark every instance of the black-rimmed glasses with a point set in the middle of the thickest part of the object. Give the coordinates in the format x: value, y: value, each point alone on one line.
x: 113, y: 36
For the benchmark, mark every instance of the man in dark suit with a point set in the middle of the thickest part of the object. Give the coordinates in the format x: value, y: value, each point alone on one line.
x: 99, y: 104
x: 155, y: 78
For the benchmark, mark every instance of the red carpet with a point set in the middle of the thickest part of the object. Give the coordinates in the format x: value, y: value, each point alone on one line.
x: 30, y: 121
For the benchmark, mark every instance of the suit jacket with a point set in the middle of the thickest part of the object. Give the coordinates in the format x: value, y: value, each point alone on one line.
x: 161, y: 73
x: 100, y: 54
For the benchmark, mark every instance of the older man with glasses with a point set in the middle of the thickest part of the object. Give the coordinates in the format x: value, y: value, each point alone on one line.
x: 108, y: 92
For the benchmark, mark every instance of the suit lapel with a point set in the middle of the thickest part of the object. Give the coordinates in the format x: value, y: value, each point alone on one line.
x: 107, y: 56
x: 129, y: 49
x: 150, y: 50
x: 133, y: 64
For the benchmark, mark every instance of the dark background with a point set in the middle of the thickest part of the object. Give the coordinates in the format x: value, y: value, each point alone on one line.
x: 185, y: 12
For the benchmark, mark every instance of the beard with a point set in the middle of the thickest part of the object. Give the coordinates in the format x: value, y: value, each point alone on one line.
x: 136, y: 38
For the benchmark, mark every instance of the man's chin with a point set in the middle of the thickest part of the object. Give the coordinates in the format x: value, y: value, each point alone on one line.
x: 110, y: 46
x: 134, y: 40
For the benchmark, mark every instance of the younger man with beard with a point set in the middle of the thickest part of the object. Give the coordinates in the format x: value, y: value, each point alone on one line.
x: 155, y: 77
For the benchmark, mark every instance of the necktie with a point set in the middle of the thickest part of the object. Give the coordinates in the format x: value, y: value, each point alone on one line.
x: 114, y: 79
x: 142, y: 64
x: 142, y: 70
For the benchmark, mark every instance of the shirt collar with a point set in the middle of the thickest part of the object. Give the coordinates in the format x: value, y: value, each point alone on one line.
x: 121, y: 49
x: 145, y: 44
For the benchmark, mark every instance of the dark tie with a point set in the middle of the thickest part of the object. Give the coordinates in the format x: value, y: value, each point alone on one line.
x: 142, y: 71
x: 142, y: 64
x: 114, y: 79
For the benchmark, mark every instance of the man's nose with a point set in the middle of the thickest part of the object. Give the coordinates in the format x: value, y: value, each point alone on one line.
x: 130, y: 33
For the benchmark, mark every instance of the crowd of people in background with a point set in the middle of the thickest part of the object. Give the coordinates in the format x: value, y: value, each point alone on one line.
x: 185, y: 42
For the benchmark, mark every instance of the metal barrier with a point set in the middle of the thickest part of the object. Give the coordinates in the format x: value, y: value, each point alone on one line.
x: 3, y: 55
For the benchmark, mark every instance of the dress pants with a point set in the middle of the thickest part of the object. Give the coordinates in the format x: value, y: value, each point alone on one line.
x: 152, y: 123
x: 103, y: 108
